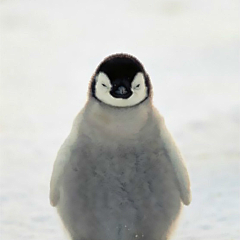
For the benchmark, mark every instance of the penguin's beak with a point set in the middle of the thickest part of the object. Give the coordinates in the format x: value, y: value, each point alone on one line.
x: 121, y: 91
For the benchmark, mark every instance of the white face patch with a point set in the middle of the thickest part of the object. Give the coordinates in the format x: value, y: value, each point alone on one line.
x: 103, y: 87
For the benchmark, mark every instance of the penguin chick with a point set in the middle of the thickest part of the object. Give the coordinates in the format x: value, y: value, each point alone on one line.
x: 119, y: 174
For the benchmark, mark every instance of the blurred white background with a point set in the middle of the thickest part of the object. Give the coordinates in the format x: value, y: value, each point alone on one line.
x: 50, y: 49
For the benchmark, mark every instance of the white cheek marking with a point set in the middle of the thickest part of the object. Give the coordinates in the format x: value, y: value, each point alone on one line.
x: 140, y: 92
x: 102, y: 78
x: 138, y: 80
x: 103, y: 93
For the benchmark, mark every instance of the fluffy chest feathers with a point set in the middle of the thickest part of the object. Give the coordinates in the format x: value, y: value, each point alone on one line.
x: 118, y: 153
x: 123, y: 175
x: 122, y: 169
x: 121, y: 144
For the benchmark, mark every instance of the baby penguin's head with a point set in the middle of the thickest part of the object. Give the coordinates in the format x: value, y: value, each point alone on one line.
x: 120, y: 81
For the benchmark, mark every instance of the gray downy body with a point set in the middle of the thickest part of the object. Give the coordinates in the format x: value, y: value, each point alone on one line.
x: 118, y: 182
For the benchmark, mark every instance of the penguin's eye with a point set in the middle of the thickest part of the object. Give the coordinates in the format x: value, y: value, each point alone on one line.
x: 137, y: 86
x: 104, y: 85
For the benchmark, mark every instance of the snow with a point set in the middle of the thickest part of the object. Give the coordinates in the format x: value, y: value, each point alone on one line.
x: 49, y: 50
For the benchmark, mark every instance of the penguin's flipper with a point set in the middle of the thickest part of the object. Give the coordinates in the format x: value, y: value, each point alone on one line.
x: 177, y: 162
x: 58, y: 168
x: 63, y: 156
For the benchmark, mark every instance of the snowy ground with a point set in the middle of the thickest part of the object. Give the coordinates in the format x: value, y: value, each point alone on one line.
x: 49, y: 50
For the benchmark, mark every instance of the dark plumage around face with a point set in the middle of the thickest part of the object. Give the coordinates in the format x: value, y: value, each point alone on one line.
x: 120, y: 65
x: 125, y: 80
